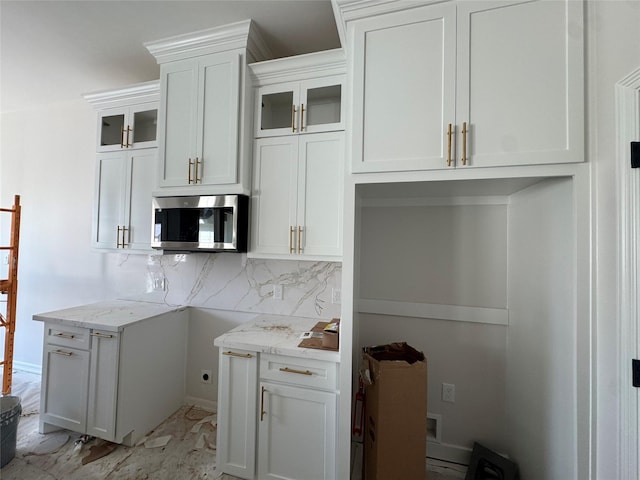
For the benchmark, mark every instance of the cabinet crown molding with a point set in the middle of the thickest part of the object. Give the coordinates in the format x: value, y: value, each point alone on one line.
x: 239, y: 35
x: 137, y: 93
x: 299, y: 67
x: 346, y: 11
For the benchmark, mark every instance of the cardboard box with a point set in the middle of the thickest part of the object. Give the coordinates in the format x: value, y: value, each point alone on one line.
x: 395, y: 443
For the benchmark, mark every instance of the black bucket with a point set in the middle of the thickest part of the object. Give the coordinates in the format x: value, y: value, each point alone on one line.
x: 10, y: 410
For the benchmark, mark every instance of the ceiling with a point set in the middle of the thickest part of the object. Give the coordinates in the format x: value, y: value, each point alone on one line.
x: 55, y: 51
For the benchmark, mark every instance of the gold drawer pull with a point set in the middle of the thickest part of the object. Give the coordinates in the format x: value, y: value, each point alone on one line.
x: 234, y: 354
x: 299, y: 372
x: 64, y: 335
x: 62, y: 352
x: 101, y: 335
x: 262, y: 412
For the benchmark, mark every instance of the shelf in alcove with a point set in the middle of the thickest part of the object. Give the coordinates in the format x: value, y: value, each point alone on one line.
x: 494, y: 316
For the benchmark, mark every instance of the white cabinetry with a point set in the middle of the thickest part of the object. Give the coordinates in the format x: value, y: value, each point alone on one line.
x: 237, y: 412
x: 297, y: 202
x: 122, y: 205
x: 468, y: 84
x: 199, y: 122
x: 204, y: 120
x: 298, y: 174
x: 128, y: 127
x: 309, y: 106
x: 105, y: 382
x: 125, y: 171
x: 277, y: 414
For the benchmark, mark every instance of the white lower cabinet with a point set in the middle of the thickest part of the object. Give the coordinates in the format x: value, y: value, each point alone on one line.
x: 276, y: 416
x: 114, y: 385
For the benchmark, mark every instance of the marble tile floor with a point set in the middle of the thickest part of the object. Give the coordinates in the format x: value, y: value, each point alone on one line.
x: 189, y: 454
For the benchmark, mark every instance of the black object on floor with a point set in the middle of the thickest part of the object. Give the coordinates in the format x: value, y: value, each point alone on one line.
x: 488, y: 465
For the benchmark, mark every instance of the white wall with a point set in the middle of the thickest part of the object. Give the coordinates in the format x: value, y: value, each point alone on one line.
x: 541, y: 413
x: 48, y: 157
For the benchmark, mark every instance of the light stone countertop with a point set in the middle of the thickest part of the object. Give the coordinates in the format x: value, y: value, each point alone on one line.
x: 275, y: 334
x: 111, y: 316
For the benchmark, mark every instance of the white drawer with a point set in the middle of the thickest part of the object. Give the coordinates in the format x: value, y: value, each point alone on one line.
x: 299, y: 371
x: 73, y: 337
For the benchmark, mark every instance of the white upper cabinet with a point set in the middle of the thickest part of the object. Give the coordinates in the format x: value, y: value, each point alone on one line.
x: 134, y: 127
x: 309, y: 106
x: 204, y: 123
x: 125, y: 172
x: 404, y: 87
x: 127, y: 117
x: 468, y: 84
x: 122, y: 204
x: 297, y: 196
x: 200, y: 112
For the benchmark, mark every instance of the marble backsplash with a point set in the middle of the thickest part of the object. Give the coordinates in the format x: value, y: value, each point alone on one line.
x: 229, y: 281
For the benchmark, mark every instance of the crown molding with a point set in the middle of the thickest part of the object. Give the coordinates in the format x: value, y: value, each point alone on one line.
x: 299, y: 67
x: 137, y: 93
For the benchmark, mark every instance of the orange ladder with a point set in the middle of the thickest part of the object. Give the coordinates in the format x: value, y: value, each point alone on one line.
x: 9, y: 287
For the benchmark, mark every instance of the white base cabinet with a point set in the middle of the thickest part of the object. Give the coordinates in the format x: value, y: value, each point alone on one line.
x: 114, y: 384
x: 276, y: 416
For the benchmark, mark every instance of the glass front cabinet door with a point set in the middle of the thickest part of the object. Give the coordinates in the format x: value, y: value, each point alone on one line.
x: 300, y: 107
x: 133, y: 127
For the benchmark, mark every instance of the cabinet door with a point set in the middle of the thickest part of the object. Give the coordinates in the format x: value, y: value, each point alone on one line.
x: 274, y: 195
x: 238, y: 377
x: 103, y: 385
x: 320, y: 193
x: 178, y: 104
x: 520, y: 82
x: 296, y: 433
x: 143, y: 125
x: 217, y: 128
x: 321, y: 106
x: 111, y: 129
x: 277, y: 109
x: 404, y: 87
x: 109, y: 200
x: 140, y: 182
x: 65, y: 375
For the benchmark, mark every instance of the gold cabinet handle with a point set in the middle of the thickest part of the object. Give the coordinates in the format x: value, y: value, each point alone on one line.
x: 118, y: 238
x: 291, y: 247
x: 302, y: 117
x: 234, y: 354
x: 293, y: 118
x: 262, y: 412
x: 189, y: 172
x: 127, y: 145
x: 124, y: 230
x: 101, y: 335
x: 197, y: 179
x: 122, y: 136
x: 62, y: 352
x: 299, y: 240
x: 464, y: 143
x: 449, y: 135
x: 64, y: 335
x: 293, y: 370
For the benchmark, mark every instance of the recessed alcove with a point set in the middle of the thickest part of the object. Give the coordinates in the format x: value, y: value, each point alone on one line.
x: 481, y: 276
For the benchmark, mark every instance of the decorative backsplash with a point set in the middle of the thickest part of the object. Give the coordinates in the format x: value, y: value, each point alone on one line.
x: 234, y: 282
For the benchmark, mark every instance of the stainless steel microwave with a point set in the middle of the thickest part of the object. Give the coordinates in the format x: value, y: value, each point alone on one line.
x: 212, y: 223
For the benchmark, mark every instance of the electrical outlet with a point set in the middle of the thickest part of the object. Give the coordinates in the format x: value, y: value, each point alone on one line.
x: 278, y: 292
x: 448, y: 392
x: 336, y: 296
x: 205, y: 376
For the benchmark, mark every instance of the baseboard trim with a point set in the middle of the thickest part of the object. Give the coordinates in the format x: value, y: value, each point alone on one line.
x: 27, y: 367
x: 209, y: 405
